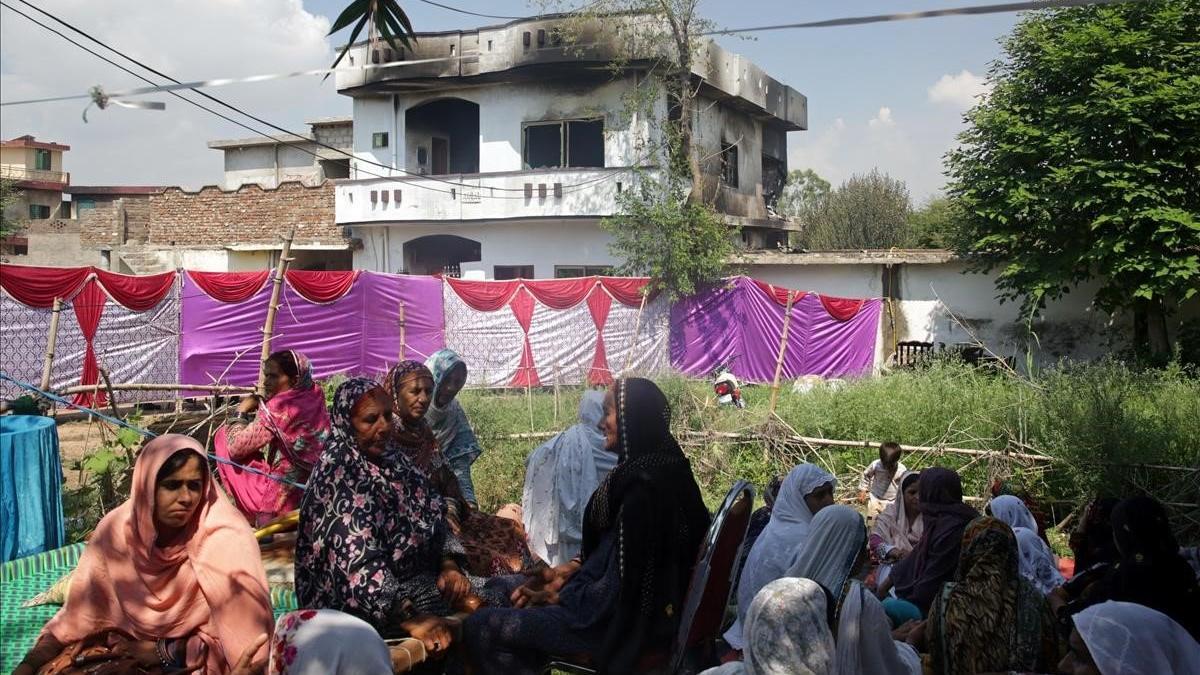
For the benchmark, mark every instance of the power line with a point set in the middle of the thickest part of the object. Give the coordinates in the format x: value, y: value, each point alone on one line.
x: 470, y: 13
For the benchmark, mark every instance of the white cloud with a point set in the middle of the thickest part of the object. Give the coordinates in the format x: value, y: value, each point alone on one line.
x: 963, y: 90
x: 882, y: 119
x: 186, y: 39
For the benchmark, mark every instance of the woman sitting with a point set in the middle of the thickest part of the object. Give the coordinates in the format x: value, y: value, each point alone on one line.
x: 173, y: 574
x: 807, y: 489
x: 560, y: 477
x: 455, y: 438
x: 492, y: 545
x: 1124, y: 638
x: 989, y: 619
x: 373, y: 539
x: 919, y: 576
x: 285, y: 439
x: 1091, y: 541
x: 786, y: 632
x: 1039, y: 566
x: 642, y: 531
x: 897, y: 528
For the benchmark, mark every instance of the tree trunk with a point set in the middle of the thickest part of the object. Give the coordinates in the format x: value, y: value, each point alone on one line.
x: 1150, y: 330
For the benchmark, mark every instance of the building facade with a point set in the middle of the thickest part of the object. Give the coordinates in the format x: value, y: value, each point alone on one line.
x: 309, y: 159
x: 496, y: 153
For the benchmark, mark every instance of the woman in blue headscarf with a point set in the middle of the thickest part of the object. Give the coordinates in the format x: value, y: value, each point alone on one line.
x: 455, y: 439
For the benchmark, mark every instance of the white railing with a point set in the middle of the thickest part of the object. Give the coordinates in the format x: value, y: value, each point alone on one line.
x: 17, y: 172
x: 521, y: 194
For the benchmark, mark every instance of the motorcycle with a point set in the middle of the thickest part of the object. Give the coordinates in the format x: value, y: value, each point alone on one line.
x: 726, y: 387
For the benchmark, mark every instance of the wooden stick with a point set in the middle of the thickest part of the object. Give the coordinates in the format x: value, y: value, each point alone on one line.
x: 637, y: 329
x: 140, y: 386
x: 51, y: 343
x: 555, y: 394
x: 403, y: 334
x: 269, y: 327
x: 112, y: 398
x: 783, y: 337
x: 529, y: 397
x: 869, y: 444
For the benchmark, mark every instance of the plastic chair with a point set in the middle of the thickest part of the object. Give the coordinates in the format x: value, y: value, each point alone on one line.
x: 707, y: 596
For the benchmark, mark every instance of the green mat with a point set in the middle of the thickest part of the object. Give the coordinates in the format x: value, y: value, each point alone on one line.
x: 24, y: 578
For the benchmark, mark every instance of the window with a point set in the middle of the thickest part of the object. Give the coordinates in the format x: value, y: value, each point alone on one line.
x: 568, y: 143
x: 506, y: 272
x: 573, y: 271
x: 729, y: 165
x: 14, y: 246
x: 379, y: 139
x: 39, y: 211
x: 84, y: 204
x: 41, y: 160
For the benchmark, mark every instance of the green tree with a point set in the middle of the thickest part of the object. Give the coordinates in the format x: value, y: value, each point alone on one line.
x: 9, y: 222
x: 1084, y: 161
x: 866, y: 212
x: 935, y: 224
x: 803, y: 188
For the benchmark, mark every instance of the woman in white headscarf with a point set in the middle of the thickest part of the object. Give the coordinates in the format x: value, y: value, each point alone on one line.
x: 1123, y: 638
x: 806, y: 490
x: 787, y: 632
x: 560, y: 477
x: 1038, y: 564
x: 864, y: 638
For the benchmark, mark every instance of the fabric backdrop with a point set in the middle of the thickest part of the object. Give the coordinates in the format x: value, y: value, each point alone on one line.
x: 741, y: 323
x: 356, y: 333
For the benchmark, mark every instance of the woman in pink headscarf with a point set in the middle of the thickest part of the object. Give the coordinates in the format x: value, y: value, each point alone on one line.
x: 285, y: 440
x: 172, y: 577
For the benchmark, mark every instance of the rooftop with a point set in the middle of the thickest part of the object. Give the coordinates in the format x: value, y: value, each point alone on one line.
x: 113, y: 189
x: 28, y: 141
x: 922, y: 256
x: 329, y: 121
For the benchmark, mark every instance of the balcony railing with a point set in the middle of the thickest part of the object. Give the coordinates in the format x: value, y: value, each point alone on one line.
x: 16, y: 172
x: 563, y: 193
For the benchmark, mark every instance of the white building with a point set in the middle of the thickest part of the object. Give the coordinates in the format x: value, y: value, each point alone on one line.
x: 310, y: 159
x: 497, y: 153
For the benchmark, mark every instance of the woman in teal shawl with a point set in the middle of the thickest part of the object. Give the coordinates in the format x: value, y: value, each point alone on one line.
x: 455, y: 438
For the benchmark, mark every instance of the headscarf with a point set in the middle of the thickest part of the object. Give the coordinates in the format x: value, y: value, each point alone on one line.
x: 363, y: 523
x: 783, y: 536
x: 1092, y: 543
x: 892, y: 525
x: 864, y: 638
x: 1126, y: 638
x: 787, y: 632
x: 1012, y: 510
x: 560, y: 477
x: 326, y: 642
x: 989, y: 618
x: 836, y: 542
x: 415, y: 439
x: 920, y: 575
x: 1151, y: 572
x: 213, y: 584
x: 454, y: 435
x: 1037, y: 562
x: 660, y: 532
x: 298, y: 419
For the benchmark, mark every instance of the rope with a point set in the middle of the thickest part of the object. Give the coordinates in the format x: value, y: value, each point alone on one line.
x: 144, y: 432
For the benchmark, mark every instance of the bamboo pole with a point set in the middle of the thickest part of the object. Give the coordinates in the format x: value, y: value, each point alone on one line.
x: 51, y: 344
x: 112, y: 397
x: 269, y: 327
x: 783, y: 337
x: 140, y: 386
x: 403, y: 334
x: 637, y: 329
x: 869, y: 444
x: 555, y: 394
x: 529, y: 397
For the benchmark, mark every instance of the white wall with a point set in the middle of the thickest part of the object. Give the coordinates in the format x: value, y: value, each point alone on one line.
x: 257, y: 164
x: 541, y: 243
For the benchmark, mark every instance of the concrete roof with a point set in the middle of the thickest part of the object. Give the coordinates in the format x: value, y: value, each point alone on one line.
x: 258, y: 140
x: 848, y: 257
x: 113, y: 189
x: 28, y: 141
x: 323, y: 121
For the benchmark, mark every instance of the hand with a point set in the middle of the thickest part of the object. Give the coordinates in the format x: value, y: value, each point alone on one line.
x: 248, y: 405
x: 247, y: 665
x: 544, y: 579
x: 529, y: 597
x: 862, y: 497
x: 901, y: 632
x: 431, y: 630
x: 454, y: 585
x: 144, y: 652
x: 916, y: 636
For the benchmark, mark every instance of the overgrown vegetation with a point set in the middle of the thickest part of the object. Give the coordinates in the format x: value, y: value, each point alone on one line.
x: 104, y: 476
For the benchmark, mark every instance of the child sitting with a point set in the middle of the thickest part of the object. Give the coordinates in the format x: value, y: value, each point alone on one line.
x: 878, y: 486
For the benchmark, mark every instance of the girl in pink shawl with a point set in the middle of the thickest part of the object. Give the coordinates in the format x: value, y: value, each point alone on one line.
x: 286, y: 439
x: 175, y: 568
x: 898, y: 528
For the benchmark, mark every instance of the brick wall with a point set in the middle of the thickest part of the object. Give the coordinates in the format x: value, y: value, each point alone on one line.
x: 114, y: 223
x: 247, y: 215
x: 337, y: 135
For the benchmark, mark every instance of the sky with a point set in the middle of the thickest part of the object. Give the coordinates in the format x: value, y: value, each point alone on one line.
x: 888, y: 96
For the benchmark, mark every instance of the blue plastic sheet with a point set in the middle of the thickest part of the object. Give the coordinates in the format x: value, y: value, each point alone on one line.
x: 31, y: 512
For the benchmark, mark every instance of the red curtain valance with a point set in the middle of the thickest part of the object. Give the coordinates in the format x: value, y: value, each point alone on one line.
x: 230, y: 286
x: 321, y: 286
x: 38, y: 286
x: 778, y: 293
x: 489, y: 296
x: 484, y: 296
x: 842, y: 309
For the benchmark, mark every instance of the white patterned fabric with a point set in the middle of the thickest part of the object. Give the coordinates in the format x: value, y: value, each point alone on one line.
x: 787, y: 632
x: 864, y: 639
x: 1038, y: 564
x: 1129, y: 639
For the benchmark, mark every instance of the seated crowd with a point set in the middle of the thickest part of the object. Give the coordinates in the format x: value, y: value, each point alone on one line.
x: 397, y: 568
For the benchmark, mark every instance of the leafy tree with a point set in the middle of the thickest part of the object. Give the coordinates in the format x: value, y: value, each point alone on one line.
x: 8, y: 199
x: 868, y: 211
x: 804, y: 187
x: 1084, y: 161
x: 935, y: 224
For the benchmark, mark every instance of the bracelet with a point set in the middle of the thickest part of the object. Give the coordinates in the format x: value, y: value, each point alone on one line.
x: 160, y: 648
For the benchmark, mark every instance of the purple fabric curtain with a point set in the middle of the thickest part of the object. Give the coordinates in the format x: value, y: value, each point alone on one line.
x: 355, y: 334
x: 739, y: 323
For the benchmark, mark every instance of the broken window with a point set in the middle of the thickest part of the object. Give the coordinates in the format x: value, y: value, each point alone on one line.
x: 506, y: 272
x: 567, y: 143
x: 729, y: 164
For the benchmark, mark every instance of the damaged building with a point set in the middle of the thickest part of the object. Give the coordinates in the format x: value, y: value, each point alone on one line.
x: 497, y: 152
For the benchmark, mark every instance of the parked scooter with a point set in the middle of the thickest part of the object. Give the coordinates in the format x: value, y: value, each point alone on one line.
x: 726, y: 386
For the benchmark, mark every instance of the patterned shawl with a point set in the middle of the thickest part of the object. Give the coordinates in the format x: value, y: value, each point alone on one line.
x: 893, y: 526
x: 299, y: 421
x: 415, y: 439
x: 652, y: 501
x: 989, y: 619
x: 454, y: 435
x: 364, y: 524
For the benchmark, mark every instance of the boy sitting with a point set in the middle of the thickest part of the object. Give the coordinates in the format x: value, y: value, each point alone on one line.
x: 878, y: 486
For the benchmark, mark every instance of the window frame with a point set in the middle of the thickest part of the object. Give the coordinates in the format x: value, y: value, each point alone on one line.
x: 520, y: 268
x: 728, y: 151
x: 33, y: 215
x: 376, y: 136
x: 564, y: 141
x: 587, y: 271
x: 38, y: 154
